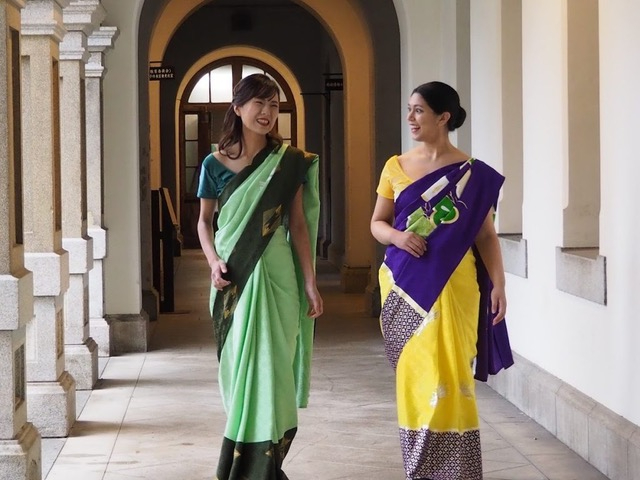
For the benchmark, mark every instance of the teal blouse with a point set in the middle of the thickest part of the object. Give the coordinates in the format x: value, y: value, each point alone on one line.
x: 214, y: 176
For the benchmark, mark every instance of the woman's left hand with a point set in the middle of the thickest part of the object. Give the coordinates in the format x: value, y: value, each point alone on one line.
x: 498, y: 304
x: 315, y: 301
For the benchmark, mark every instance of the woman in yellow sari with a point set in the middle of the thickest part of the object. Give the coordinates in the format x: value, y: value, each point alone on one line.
x: 442, y: 284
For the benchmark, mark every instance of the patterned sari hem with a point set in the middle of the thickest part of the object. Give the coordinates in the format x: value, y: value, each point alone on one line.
x: 254, y: 461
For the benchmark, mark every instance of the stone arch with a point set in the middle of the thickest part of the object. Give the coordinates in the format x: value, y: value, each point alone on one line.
x: 187, y: 207
x: 258, y: 54
x: 344, y: 21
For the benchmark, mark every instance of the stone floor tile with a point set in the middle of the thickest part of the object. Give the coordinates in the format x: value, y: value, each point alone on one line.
x: 349, y: 457
x: 82, y: 396
x: 566, y: 466
x: 119, y: 476
x: 72, y: 473
x: 527, y: 472
x: 166, y: 471
x: 495, y: 409
x: 313, y: 470
x: 514, y: 457
x: 72, y: 464
x: 51, y: 448
x: 530, y: 438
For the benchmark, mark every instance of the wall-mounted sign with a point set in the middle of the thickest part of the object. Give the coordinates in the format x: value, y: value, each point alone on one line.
x: 161, y: 73
x: 333, y: 84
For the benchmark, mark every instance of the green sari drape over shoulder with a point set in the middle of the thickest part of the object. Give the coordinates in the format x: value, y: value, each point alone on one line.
x: 264, y: 335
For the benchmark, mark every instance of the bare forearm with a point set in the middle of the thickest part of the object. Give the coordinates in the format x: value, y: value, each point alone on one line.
x: 383, y: 232
x: 489, y: 249
x: 205, y: 234
x: 302, y: 247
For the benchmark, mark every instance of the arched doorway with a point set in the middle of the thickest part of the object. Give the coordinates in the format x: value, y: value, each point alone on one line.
x: 367, y: 113
x: 203, y: 105
x: 332, y: 36
x: 367, y: 38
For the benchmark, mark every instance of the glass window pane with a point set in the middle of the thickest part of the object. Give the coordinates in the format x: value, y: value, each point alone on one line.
x: 191, y: 181
x: 250, y: 70
x: 222, y: 85
x: 191, y: 127
x: 284, y: 125
x: 283, y: 97
x: 200, y: 93
x: 217, y: 120
x: 191, y: 154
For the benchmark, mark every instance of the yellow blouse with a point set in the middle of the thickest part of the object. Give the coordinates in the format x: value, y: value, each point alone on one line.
x: 393, y: 180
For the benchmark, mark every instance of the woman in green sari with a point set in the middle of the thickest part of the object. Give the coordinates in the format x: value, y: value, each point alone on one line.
x: 264, y: 297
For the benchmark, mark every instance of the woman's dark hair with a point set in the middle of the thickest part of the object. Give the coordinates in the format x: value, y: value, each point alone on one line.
x: 257, y: 85
x: 443, y: 98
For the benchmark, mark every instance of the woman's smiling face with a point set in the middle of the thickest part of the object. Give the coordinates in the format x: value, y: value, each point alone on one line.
x: 259, y: 115
x: 424, y: 123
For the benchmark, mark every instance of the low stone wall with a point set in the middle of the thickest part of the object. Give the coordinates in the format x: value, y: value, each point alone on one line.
x: 606, y: 440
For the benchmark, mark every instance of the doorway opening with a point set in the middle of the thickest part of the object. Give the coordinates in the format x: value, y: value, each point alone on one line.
x: 206, y: 99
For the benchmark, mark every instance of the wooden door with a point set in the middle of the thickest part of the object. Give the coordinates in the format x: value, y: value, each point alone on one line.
x: 201, y: 129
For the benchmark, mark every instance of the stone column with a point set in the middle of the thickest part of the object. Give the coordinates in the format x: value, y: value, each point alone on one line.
x: 20, y: 452
x: 98, y: 42
x: 128, y: 322
x: 50, y: 388
x: 80, y: 17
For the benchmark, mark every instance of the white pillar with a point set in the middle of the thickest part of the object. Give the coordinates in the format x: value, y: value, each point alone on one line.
x: 582, y: 171
x: 496, y: 99
x: 98, y: 42
x: 456, y: 61
x: 80, y: 19
x: 128, y: 322
x: 50, y: 388
x: 20, y: 452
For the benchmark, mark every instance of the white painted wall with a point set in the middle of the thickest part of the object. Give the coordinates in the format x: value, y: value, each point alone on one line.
x: 619, y: 228
x: 563, y: 334
x: 589, y: 346
x: 430, y: 43
x: 421, y: 47
x: 486, y: 88
x: 552, y: 329
x: 121, y: 168
x: 496, y: 99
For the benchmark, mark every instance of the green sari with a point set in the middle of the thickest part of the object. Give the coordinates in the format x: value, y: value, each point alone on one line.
x: 264, y: 335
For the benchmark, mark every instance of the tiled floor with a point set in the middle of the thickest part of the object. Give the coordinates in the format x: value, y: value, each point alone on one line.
x: 158, y: 415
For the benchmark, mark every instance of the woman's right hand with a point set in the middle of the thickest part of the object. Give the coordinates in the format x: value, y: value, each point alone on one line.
x: 218, y: 269
x: 410, y: 242
x: 315, y: 300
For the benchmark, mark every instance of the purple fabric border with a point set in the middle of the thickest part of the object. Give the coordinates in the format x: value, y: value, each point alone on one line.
x: 494, y: 349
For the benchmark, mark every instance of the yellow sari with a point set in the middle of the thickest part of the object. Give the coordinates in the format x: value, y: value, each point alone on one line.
x: 433, y: 343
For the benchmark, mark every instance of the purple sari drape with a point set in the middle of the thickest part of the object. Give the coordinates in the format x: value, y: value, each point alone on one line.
x: 472, y: 187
